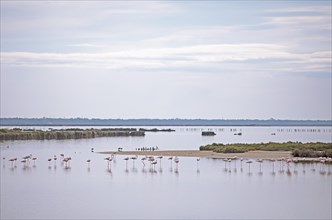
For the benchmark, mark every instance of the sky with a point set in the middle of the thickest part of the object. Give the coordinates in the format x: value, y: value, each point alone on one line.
x: 166, y: 59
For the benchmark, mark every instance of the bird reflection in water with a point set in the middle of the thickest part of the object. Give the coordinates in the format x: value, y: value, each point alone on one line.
x: 176, y: 171
x: 109, y: 170
x: 144, y: 170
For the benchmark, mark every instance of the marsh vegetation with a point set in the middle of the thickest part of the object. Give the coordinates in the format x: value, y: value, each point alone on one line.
x: 298, y: 149
x: 70, y: 133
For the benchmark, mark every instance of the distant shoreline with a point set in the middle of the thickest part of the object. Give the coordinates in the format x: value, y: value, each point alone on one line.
x: 160, y: 122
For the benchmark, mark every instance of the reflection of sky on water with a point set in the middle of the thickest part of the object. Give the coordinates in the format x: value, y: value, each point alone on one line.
x: 211, y: 188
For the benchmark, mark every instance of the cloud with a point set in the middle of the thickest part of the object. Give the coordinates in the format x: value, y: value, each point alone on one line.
x: 204, y: 56
x: 301, y: 21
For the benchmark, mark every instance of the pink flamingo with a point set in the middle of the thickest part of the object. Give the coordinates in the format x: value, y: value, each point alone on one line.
x: 281, y: 164
x: 34, y: 160
x: 260, y: 161
x: 12, y: 160
x: 24, y: 161
x: 134, y: 158
x: 143, y: 159
x: 160, y: 157
x: 27, y: 158
x: 66, y: 161
x: 322, y: 162
x: 154, y: 164
x: 225, y: 160
x: 249, y: 162
x: 229, y: 162
x: 55, y: 158
x: 88, y: 161
x: 126, y: 159
x: 272, y: 161
x: 109, y: 159
x: 3, y: 161
x: 288, y: 161
x: 49, y: 161
x: 171, y: 159
x: 176, y: 160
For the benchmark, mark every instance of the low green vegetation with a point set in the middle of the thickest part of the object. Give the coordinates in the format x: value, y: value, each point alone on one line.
x: 61, y: 134
x: 298, y: 149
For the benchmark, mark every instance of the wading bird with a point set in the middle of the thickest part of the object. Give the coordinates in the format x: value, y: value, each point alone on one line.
x: 134, y: 158
x: 49, y: 161
x: 126, y: 159
x: 34, y: 160
x: 249, y: 162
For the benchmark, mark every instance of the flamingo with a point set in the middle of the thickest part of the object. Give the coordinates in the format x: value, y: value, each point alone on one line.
x: 134, y: 158
x: 55, y: 158
x: 66, y: 161
x: 241, y: 159
x: 12, y: 160
x: 143, y: 159
x: 295, y: 161
x: 281, y: 164
x: 34, y: 160
x: 109, y: 159
x: 176, y: 160
x: 171, y: 159
x: 154, y: 164
x: 126, y: 159
x: 3, y: 161
x: 69, y: 159
x: 160, y: 157
x: 225, y: 160
x: 88, y: 161
x: 260, y: 161
x: 24, y: 161
x: 288, y: 161
x: 249, y: 162
x: 27, y: 158
x: 235, y: 158
x: 322, y: 162
x: 49, y: 161
x: 272, y: 161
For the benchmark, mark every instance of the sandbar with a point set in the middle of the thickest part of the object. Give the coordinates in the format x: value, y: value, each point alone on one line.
x: 207, y: 154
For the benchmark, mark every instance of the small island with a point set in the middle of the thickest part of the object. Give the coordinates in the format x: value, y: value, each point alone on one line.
x: 156, y: 130
x: 297, y: 149
x: 70, y: 133
x: 208, y: 133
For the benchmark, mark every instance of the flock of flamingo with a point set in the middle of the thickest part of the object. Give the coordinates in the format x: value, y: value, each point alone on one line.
x: 288, y: 162
x: 153, y: 160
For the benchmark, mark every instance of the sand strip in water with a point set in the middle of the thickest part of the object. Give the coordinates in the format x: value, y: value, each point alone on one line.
x: 208, y: 154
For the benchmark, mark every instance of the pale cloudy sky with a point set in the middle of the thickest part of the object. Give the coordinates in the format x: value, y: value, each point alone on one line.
x: 166, y: 59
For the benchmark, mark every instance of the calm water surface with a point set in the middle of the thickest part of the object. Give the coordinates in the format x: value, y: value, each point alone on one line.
x: 209, y: 189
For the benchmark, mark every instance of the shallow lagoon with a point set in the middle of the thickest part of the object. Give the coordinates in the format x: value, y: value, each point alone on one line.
x: 209, y: 189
